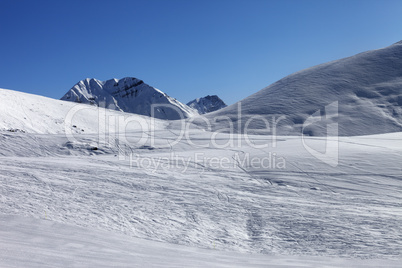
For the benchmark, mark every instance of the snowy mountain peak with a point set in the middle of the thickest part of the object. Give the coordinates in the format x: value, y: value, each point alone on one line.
x: 130, y: 95
x: 207, y: 104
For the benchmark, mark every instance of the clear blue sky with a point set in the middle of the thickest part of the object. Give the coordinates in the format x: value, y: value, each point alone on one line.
x: 187, y: 49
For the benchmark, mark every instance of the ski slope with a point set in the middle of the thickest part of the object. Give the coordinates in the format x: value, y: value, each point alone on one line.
x: 351, y: 211
x: 85, y: 186
x: 28, y: 242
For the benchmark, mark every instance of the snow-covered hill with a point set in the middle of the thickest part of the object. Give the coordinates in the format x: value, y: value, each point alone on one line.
x: 22, y: 112
x: 207, y: 104
x: 129, y: 95
x: 366, y: 89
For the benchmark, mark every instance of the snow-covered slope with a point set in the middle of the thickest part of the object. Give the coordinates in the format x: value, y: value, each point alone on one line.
x: 47, y: 244
x: 367, y: 88
x: 180, y: 194
x: 186, y: 189
x: 207, y: 104
x: 22, y: 112
x: 129, y: 95
x: 74, y: 193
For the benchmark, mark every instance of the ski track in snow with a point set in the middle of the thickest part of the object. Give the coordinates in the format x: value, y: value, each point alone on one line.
x: 28, y: 242
x: 308, y: 208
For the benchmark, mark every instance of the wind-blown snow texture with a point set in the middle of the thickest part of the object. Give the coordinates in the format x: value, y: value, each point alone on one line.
x: 304, y: 208
x: 73, y: 182
x: 46, y: 243
x: 367, y: 87
x: 129, y: 95
x: 207, y: 104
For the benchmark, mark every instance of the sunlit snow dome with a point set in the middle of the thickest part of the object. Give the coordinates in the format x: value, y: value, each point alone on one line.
x: 362, y: 94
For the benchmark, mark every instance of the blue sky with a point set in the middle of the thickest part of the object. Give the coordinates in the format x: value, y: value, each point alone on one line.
x: 187, y: 49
